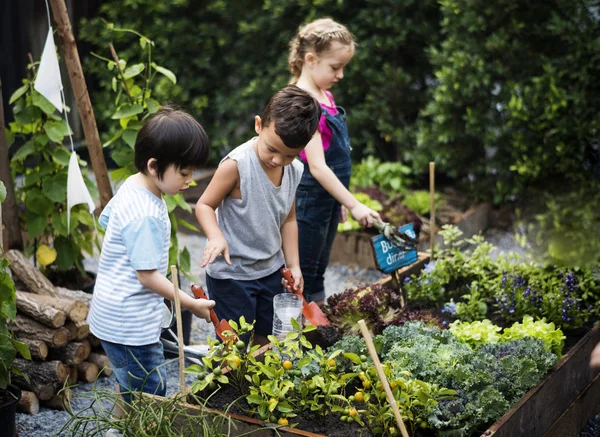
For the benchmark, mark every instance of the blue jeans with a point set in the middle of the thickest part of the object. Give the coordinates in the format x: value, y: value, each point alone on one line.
x: 318, y: 216
x: 137, y: 368
x: 252, y: 299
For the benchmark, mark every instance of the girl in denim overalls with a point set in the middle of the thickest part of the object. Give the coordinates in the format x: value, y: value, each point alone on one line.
x: 318, y: 55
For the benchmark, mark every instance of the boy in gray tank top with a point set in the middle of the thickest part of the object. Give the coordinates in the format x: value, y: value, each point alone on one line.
x: 248, y: 212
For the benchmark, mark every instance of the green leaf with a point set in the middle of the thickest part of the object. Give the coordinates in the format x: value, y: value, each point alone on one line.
x: 65, y: 253
x: 10, y: 138
x: 152, y: 106
x: 113, y: 139
x: 127, y: 110
x: 35, y: 225
x: 184, y: 260
x: 26, y: 149
x: 41, y: 102
x: 57, y: 130
x: 255, y: 399
x: 59, y: 222
x: 129, y: 136
x: 2, y: 192
x: 133, y: 71
x: 353, y: 357
x: 39, y: 204
x: 168, y: 73
x: 187, y: 225
x: 17, y: 94
x: 55, y: 189
x: 22, y: 349
x: 61, y: 156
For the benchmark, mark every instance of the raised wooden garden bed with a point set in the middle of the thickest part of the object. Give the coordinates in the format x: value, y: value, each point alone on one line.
x: 355, y: 247
x: 560, y: 405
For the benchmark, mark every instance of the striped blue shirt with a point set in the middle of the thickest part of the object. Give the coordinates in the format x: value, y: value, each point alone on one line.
x: 137, y: 238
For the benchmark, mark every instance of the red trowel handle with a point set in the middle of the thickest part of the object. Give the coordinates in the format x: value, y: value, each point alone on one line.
x: 200, y: 294
x: 287, y: 275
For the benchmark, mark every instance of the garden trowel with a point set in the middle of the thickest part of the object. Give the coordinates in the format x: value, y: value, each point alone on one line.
x: 399, y: 239
x: 311, y: 311
x: 220, y: 326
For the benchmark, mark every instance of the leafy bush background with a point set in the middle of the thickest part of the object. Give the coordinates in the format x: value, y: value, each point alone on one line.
x: 502, y: 95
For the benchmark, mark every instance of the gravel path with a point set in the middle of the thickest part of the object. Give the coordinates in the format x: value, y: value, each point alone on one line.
x: 49, y: 422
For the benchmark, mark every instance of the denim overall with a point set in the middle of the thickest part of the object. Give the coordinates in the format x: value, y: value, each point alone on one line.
x: 318, y: 213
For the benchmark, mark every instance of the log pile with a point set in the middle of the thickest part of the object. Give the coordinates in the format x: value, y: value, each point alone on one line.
x: 51, y: 322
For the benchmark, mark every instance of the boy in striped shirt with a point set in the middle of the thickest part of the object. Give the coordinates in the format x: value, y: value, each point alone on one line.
x: 131, y: 285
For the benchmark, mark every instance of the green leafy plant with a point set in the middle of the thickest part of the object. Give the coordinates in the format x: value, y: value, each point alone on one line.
x: 9, y: 347
x: 472, y: 285
x: 552, y: 337
x: 476, y: 334
x: 42, y: 161
x: 419, y: 201
x: 391, y: 177
x: 134, y: 85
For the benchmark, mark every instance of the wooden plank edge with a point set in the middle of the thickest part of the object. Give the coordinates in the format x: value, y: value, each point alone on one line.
x: 585, y: 407
x: 557, y: 375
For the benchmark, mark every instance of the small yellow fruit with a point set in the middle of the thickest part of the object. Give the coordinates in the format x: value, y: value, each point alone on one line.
x: 45, y: 255
x: 287, y: 365
x: 234, y: 362
x: 282, y: 421
x: 352, y: 412
x: 272, y: 400
x: 331, y: 363
x: 393, y: 385
x: 359, y: 397
x: 366, y: 384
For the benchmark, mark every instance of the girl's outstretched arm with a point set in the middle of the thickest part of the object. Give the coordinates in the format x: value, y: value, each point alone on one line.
x: 223, y: 183
x: 327, y: 178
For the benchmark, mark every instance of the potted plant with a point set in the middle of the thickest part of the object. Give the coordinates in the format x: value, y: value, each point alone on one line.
x: 9, y: 394
x: 42, y: 161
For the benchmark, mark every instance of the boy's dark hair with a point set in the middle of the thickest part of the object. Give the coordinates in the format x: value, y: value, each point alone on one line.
x: 171, y: 136
x: 295, y: 114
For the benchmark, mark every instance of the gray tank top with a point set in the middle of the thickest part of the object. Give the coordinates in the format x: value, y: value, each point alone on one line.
x: 252, y: 225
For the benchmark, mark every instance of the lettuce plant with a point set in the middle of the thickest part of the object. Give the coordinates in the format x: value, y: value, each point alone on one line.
x: 551, y: 336
x: 476, y: 334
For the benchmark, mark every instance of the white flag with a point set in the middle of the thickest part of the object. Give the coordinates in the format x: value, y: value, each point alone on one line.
x: 77, y: 191
x: 48, y: 82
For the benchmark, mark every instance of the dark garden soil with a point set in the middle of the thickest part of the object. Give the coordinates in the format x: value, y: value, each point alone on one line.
x: 329, y: 425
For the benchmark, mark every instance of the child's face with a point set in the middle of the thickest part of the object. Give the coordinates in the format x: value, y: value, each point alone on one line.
x: 328, y: 69
x: 271, y: 150
x: 175, y: 180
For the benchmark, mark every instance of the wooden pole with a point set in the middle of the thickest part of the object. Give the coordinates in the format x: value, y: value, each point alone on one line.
x: 82, y: 98
x: 12, y: 238
x: 180, y: 343
x: 431, y: 207
x: 386, y: 386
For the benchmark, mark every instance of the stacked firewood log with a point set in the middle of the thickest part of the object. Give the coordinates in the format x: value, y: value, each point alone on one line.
x: 51, y: 322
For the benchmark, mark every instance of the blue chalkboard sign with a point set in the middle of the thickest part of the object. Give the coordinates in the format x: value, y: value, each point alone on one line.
x: 390, y: 258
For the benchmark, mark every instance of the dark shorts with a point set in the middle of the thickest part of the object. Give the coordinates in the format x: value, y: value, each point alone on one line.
x: 251, y: 299
x: 137, y: 368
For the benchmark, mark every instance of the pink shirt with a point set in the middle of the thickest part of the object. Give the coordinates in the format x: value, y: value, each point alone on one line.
x: 323, y: 128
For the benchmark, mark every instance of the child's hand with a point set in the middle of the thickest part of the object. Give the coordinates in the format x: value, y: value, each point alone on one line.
x: 364, y: 215
x: 343, y: 214
x: 213, y: 249
x: 298, y: 280
x: 201, y: 308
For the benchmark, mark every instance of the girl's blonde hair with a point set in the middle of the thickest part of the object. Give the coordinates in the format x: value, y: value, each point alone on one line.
x: 317, y: 37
